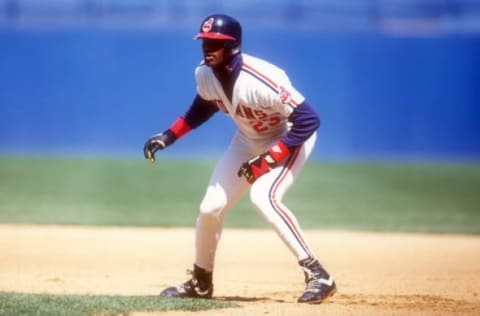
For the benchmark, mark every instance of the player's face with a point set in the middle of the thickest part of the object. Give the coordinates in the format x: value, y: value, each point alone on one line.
x: 213, y: 52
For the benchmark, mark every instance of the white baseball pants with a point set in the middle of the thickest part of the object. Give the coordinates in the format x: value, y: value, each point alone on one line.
x: 266, y: 193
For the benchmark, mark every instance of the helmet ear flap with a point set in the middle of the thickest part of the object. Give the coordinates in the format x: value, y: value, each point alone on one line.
x: 233, y: 48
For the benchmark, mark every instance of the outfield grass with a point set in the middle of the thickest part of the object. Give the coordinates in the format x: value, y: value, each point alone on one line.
x: 76, y: 305
x: 367, y: 196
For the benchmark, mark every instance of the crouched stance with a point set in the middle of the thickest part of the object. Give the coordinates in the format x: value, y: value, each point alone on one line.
x: 276, y: 134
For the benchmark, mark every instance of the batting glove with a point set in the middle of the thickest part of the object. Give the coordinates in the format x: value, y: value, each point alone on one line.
x: 157, y: 142
x: 261, y: 164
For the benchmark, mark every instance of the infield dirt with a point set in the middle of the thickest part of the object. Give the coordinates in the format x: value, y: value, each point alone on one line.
x: 376, y: 273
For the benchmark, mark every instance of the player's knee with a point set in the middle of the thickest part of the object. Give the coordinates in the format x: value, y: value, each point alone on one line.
x: 213, y: 202
x: 260, y: 197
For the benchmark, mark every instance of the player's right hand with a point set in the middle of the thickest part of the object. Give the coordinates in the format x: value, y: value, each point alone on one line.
x: 156, y: 142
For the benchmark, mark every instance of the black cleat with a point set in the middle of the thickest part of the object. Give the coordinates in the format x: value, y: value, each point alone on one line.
x: 199, y: 286
x: 319, y: 284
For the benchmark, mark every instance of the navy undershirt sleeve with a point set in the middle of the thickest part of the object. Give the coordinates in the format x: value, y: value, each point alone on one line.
x: 199, y: 112
x: 305, y: 122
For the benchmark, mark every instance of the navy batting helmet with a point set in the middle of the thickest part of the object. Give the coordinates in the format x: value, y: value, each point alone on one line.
x: 222, y: 27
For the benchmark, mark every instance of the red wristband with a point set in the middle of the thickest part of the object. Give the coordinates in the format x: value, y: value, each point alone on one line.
x: 279, y: 151
x: 180, y: 127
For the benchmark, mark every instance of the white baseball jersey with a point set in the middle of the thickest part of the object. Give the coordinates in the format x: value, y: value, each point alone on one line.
x: 262, y: 97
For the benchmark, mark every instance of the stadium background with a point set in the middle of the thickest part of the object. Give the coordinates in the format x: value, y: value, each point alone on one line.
x: 390, y: 79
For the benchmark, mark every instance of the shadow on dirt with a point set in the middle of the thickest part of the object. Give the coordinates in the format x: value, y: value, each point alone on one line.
x: 247, y: 299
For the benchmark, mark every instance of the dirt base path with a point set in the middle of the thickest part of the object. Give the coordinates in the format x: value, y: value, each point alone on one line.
x: 377, y: 273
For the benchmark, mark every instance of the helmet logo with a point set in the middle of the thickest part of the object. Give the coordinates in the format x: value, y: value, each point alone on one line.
x: 207, y: 25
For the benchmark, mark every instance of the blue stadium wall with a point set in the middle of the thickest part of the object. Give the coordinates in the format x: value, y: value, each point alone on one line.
x: 103, y: 92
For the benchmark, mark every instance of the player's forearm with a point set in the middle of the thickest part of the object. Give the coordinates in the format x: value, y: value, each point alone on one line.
x: 305, y: 122
x: 198, y: 113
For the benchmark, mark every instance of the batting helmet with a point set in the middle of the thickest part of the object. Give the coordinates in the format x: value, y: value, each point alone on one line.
x: 222, y: 27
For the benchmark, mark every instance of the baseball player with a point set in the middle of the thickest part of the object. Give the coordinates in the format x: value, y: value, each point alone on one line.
x: 276, y: 135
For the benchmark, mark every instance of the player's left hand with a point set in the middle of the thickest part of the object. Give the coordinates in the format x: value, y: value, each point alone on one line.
x: 261, y: 164
x: 256, y: 167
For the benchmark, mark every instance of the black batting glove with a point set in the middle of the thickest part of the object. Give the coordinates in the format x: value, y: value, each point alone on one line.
x: 256, y: 167
x: 261, y: 164
x: 157, y: 142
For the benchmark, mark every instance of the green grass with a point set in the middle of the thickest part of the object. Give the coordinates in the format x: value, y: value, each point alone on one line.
x: 17, y: 304
x: 441, y: 198
x: 391, y: 197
